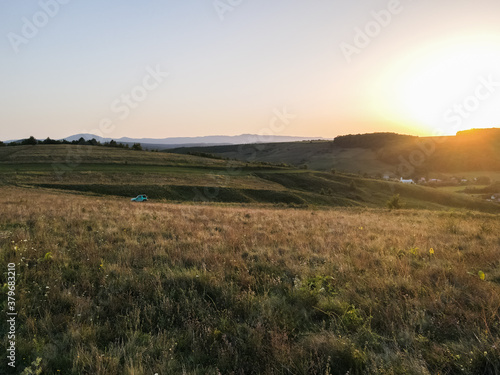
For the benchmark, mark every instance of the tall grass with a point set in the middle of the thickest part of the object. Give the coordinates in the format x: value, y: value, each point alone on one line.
x: 110, y: 287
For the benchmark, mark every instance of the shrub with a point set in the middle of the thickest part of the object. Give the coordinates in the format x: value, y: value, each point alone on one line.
x: 395, y: 202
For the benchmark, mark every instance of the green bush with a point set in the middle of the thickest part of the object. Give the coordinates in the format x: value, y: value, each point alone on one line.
x: 395, y: 202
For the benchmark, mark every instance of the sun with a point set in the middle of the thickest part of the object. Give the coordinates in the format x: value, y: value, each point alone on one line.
x: 443, y: 88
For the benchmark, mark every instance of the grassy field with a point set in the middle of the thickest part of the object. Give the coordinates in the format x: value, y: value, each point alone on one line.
x: 241, y: 268
x: 106, y: 286
x: 187, y: 178
x: 73, y: 156
x: 317, y: 155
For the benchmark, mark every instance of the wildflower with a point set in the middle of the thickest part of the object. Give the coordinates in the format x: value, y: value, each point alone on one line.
x: 431, y: 251
x: 481, y: 275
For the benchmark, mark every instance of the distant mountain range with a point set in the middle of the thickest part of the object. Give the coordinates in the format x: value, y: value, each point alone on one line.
x: 206, y: 140
x: 212, y: 140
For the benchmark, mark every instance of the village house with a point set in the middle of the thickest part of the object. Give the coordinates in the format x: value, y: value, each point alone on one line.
x: 410, y: 181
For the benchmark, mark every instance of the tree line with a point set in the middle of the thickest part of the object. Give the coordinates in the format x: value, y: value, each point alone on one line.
x: 82, y: 141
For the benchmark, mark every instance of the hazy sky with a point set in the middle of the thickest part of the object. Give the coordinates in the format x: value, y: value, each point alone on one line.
x: 286, y: 67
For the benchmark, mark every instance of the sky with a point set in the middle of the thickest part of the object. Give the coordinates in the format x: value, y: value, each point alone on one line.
x: 316, y: 68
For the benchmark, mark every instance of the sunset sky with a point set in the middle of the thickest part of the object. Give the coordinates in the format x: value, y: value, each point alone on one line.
x: 412, y: 66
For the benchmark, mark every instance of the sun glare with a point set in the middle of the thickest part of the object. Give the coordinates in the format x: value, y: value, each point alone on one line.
x: 444, y: 88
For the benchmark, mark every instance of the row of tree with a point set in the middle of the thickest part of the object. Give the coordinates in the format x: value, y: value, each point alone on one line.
x: 92, y: 142
x: 372, y: 140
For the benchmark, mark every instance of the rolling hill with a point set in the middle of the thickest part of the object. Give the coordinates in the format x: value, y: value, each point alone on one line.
x: 188, y: 178
x: 377, y: 154
x: 230, y: 260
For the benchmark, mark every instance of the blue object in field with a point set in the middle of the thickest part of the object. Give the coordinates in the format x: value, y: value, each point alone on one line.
x: 140, y: 198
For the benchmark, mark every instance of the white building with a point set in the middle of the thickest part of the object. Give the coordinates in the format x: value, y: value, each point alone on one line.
x: 410, y: 181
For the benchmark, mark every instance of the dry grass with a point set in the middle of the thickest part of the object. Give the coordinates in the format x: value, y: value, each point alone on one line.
x: 161, y: 288
x: 74, y: 155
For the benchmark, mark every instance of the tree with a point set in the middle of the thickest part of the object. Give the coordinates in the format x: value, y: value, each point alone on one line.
x: 137, y: 147
x: 30, y: 141
x: 49, y: 141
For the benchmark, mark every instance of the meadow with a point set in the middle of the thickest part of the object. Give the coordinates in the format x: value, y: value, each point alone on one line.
x: 185, y: 178
x: 270, y: 269
x: 106, y: 286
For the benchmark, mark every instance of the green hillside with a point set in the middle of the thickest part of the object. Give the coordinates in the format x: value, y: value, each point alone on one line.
x: 186, y: 178
x: 377, y: 154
